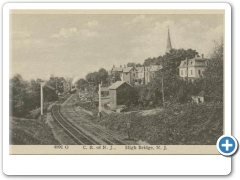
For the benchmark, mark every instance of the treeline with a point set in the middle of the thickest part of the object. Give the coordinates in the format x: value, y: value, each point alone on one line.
x: 177, y: 90
x: 25, y: 95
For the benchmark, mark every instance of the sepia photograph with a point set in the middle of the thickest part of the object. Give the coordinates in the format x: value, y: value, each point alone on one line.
x: 138, y: 79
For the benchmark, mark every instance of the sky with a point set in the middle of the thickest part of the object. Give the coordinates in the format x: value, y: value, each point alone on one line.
x: 70, y: 45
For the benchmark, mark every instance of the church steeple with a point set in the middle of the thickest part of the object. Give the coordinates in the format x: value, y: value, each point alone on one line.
x: 169, y: 45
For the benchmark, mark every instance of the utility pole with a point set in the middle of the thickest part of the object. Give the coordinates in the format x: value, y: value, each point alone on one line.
x: 163, y: 100
x: 163, y: 91
x: 187, y: 68
x: 144, y: 78
x: 42, y: 84
x: 100, y: 106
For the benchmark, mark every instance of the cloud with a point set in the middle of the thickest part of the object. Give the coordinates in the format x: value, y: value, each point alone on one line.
x: 72, y: 32
x: 92, y: 24
x: 138, y: 18
x: 88, y: 33
x: 20, y: 35
x: 65, y: 33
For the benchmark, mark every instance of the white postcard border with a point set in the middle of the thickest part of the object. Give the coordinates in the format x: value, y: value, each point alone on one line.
x: 115, y: 164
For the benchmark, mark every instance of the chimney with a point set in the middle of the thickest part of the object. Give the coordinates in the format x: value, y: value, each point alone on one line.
x: 202, y: 56
x: 124, y: 65
x: 120, y: 66
x: 113, y: 66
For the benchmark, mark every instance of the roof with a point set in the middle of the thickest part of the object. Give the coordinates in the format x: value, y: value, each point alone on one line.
x: 117, y: 84
x: 139, y: 69
x: 127, y: 69
x: 117, y: 69
x: 154, y: 68
x: 194, y: 62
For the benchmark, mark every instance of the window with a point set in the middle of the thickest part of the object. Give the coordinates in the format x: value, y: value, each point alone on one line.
x: 191, y: 72
x: 181, y: 72
x: 126, y: 73
x: 199, y: 72
x: 133, y: 74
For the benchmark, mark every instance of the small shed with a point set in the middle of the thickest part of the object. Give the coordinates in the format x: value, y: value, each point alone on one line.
x: 197, y: 99
x: 117, y: 93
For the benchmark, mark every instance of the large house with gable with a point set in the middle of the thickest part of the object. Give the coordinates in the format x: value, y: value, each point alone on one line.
x: 192, y: 69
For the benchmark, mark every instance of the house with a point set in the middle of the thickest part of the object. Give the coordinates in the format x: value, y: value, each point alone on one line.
x: 152, y: 71
x: 147, y: 74
x: 114, y: 73
x: 192, y: 69
x: 139, y: 79
x: 127, y: 74
x: 117, y: 93
x: 66, y: 86
x: 136, y: 75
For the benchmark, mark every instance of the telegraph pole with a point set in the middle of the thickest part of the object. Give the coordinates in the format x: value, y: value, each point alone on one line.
x: 100, y: 107
x: 163, y: 100
x: 42, y: 84
x: 163, y: 91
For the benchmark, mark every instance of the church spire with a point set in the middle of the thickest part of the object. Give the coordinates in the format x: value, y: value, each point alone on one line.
x: 169, y: 45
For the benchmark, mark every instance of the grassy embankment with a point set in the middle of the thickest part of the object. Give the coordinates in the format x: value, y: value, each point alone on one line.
x: 186, y: 124
x: 30, y: 132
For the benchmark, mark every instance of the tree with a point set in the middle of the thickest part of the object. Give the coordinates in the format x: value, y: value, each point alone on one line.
x: 103, y: 76
x: 131, y: 64
x: 57, y: 83
x: 98, y: 77
x: 25, y: 96
x: 153, y: 61
x: 93, y: 78
x: 171, y: 61
x: 17, y: 94
x: 175, y: 89
x: 214, y: 74
x: 82, y: 84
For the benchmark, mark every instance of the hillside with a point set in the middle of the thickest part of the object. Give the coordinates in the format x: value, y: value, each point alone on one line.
x: 184, y: 124
x: 30, y: 132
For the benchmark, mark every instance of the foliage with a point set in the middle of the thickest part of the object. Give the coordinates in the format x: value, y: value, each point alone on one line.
x: 82, y: 84
x: 57, y: 83
x: 179, y: 124
x: 214, y: 74
x: 98, y: 77
x: 167, y: 80
x: 30, y: 132
x: 132, y: 64
x: 25, y: 96
x: 128, y: 96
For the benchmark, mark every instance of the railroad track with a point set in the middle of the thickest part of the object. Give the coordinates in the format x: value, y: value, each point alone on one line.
x: 104, y: 135
x: 76, y: 134
x: 93, y: 129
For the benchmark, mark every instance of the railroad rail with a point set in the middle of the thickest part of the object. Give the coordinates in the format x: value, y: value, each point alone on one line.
x: 76, y: 134
x: 90, y: 127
